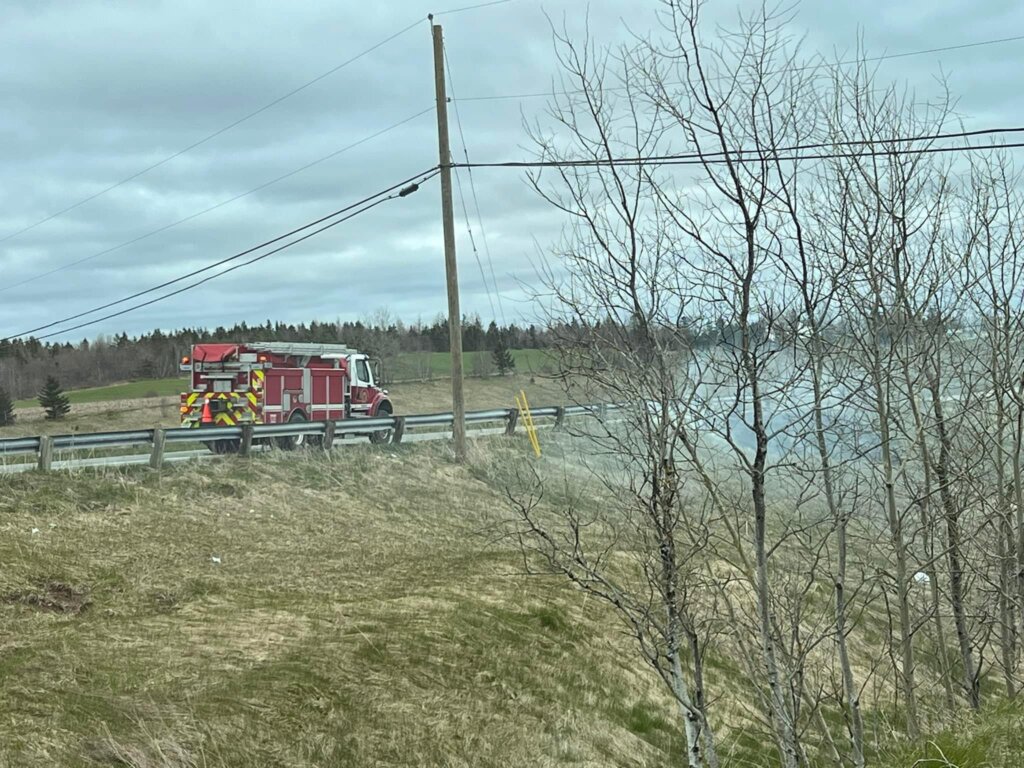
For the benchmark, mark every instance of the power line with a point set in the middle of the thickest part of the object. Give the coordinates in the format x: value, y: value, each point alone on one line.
x: 472, y: 240
x: 711, y: 160
x: 869, y: 59
x: 197, y: 283
x: 476, y: 200
x: 400, y: 189
x: 465, y: 209
x: 214, y: 207
x: 977, y: 44
x: 234, y: 124
x: 759, y: 155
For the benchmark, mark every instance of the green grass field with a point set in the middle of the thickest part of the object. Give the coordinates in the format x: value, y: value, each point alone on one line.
x: 425, y: 365
x: 132, y: 390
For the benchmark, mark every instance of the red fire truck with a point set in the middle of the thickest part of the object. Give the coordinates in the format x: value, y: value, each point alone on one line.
x: 277, y: 383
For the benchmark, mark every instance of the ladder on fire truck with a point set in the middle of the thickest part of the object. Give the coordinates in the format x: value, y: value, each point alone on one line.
x: 299, y: 349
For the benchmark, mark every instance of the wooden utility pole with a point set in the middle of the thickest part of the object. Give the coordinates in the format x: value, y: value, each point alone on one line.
x: 451, y: 267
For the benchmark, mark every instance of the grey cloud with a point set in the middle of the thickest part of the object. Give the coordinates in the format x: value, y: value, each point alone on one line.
x: 91, y: 92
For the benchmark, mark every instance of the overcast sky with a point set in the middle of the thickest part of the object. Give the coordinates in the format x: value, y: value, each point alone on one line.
x: 93, y: 92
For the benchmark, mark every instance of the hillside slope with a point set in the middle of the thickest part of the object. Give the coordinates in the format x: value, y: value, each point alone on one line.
x: 300, y: 611
x: 356, y: 609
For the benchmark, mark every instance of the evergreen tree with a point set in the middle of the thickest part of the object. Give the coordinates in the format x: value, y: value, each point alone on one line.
x: 494, y: 336
x: 6, y: 409
x: 502, y: 357
x: 53, y: 400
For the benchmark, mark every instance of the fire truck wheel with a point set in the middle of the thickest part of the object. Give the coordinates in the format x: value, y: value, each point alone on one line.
x: 223, y: 446
x: 291, y: 442
x: 384, y: 435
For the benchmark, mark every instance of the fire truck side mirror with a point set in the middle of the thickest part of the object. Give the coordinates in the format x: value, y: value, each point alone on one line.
x: 377, y: 369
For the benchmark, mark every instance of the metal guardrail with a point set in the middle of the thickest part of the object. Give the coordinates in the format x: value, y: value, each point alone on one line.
x: 15, y: 445
x: 101, y: 439
x: 44, y: 446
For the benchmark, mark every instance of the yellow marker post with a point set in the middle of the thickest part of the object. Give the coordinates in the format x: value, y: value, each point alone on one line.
x: 527, y: 417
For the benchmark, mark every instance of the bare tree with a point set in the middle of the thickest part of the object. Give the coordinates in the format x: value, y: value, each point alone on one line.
x: 738, y: 104
x: 643, y: 254
x: 818, y: 274
x: 785, y: 340
x: 886, y: 218
x: 992, y: 339
x: 622, y: 336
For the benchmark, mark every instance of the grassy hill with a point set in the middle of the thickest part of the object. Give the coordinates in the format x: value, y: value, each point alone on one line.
x: 292, y: 612
x: 354, y: 609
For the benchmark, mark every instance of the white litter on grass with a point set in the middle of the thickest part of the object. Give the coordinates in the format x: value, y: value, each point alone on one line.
x: 215, y: 560
x: 35, y: 531
x: 922, y: 578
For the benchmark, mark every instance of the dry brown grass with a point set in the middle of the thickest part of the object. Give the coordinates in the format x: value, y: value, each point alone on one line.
x: 360, y: 613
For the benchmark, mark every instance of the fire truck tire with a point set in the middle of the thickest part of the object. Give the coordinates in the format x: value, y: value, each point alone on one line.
x: 384, y: 435
x: 291, y: 442
x: 223, y: 446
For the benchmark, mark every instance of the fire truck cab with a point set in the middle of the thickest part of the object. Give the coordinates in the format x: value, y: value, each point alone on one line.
x: 278, y: 383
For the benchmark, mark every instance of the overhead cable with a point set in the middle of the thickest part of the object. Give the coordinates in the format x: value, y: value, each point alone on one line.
x: 396, y: 191
x: 764, y: 154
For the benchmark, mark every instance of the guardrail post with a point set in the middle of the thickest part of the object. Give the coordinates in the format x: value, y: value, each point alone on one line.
x: 559, y: 416
x: 513, y: 419
x: 156, y: 458
x: 328, y: 441
x: 245, y: 445
x: 45, y: 453
x: 399, y: 431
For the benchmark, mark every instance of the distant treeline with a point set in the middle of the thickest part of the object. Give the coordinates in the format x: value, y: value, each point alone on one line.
x: 25, y: 363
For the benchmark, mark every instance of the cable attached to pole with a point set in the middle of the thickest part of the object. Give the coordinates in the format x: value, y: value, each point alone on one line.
x: 353, y: 210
